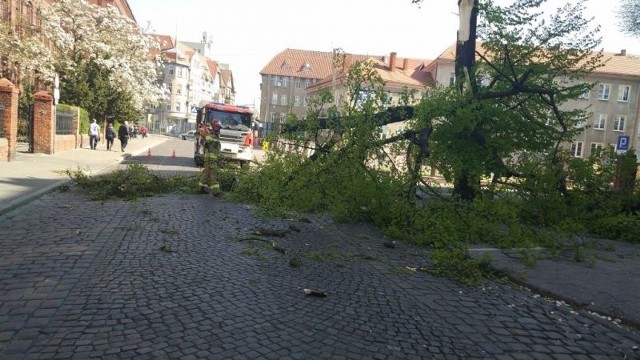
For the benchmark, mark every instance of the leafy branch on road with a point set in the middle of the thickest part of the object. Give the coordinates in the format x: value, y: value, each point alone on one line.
x: 135, y: 181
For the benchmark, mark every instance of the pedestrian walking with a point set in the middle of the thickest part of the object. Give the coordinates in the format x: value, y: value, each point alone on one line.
x: 94, y: 134
x: 209, y: 176
x: 123, y: 135
x: 110, y: 135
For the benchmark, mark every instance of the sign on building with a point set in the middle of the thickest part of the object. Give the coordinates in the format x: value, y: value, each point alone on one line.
x: 622, y: 145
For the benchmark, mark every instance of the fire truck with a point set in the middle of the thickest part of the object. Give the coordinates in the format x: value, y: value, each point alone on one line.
x: 236, y: 136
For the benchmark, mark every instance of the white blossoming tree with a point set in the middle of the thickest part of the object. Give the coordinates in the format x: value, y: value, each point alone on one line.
x: 98, y: 47
x: 23, y: 56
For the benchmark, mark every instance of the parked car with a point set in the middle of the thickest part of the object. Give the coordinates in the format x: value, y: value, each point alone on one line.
x: 189, y: 135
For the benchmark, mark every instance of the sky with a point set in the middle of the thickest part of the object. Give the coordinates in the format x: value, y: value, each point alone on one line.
x: 247, y: 34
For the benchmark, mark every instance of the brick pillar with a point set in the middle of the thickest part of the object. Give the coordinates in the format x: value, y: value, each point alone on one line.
x: 9, y: 120
x: 75, y: 127
x: 43, y: 123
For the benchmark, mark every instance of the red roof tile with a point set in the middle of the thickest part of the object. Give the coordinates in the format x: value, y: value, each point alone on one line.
x: 213, y: 68
x: 302, y: 63
x: 410, y: 73
x: 615, y: 64
x: 165, y: 42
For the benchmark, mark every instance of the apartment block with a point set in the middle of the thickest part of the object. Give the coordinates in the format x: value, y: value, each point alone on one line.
x: 189, y: 78
x: 285, y: 80
x: 613, y: 102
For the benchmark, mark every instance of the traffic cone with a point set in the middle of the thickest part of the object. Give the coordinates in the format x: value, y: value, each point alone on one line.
x: 174, y: 154
x: 149, y: 153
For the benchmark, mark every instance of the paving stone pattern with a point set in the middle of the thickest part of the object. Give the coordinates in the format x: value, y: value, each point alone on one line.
x: 82, y: 279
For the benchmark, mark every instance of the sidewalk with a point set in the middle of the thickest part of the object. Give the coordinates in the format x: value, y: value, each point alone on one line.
x: 597, y: 275
x: 29, y: 176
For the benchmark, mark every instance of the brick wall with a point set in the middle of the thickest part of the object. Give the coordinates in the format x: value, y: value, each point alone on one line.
x: 9, y: 99
x: 65, y: 142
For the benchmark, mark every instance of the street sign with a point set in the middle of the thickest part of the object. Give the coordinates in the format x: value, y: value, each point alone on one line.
x: 623, y: 144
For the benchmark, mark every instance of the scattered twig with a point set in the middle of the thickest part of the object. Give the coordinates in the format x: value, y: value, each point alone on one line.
x: 414, y: 269
x: 316, y: 293
x: 167, y: 248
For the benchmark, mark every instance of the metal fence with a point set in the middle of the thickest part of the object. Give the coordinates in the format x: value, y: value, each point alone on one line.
x: 64, y: 122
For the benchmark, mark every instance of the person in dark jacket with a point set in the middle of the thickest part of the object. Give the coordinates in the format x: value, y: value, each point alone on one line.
x: 123, y: 135
x: 110, y: 135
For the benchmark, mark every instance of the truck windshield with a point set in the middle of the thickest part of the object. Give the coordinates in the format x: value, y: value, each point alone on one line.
x: 230, y: 120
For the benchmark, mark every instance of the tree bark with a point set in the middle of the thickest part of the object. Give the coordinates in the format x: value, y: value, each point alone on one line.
x: 466, y: 184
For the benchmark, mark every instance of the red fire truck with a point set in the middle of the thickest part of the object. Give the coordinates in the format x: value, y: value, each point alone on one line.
x: 236, y: 136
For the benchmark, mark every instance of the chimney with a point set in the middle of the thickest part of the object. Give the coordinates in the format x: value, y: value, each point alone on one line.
x: 405, y: 64
x: 392, y: 61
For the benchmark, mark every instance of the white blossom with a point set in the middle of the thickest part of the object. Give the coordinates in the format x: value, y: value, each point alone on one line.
x: 80, y: 31
x: 24, y: 55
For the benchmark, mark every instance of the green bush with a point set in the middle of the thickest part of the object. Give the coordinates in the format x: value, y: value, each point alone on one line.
x: 625, y: 227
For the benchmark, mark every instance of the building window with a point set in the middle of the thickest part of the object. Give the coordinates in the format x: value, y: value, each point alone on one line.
x: 178, y: 107
x: 596, y: 148
x: 281, y: 118
x: 283, y: 100
x: 179, y: 90
x: 274, y: 81
x: 168, y: 107
x: 576, y: 149
x: 600, y: 121
x: 274, y: 117
x: 452, y: 78
x: 307, y: 83
x: 284, y: 81
x: 170, y: 88
x: 296, y: 101
x: 179, y: 72
x: 603, y: 91
x: 623, y: 92
x: 304, y: 102
x: 297, y: 83
x: 585, y: 94
x: 618, y: 124
x: 274, y: 99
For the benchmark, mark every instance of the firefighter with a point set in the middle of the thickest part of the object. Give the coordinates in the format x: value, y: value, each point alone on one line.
x: 211, y: 145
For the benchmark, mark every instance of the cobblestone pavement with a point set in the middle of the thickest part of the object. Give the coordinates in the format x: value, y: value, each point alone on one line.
x: 82, y: 279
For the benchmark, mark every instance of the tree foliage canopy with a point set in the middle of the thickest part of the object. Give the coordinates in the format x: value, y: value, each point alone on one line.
x: 100, y: 55
x: 509, y: 124
x: 24, y: 55
x: 629, y: 17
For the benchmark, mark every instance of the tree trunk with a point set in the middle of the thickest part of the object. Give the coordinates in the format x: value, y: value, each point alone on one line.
x: 466, y: 185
